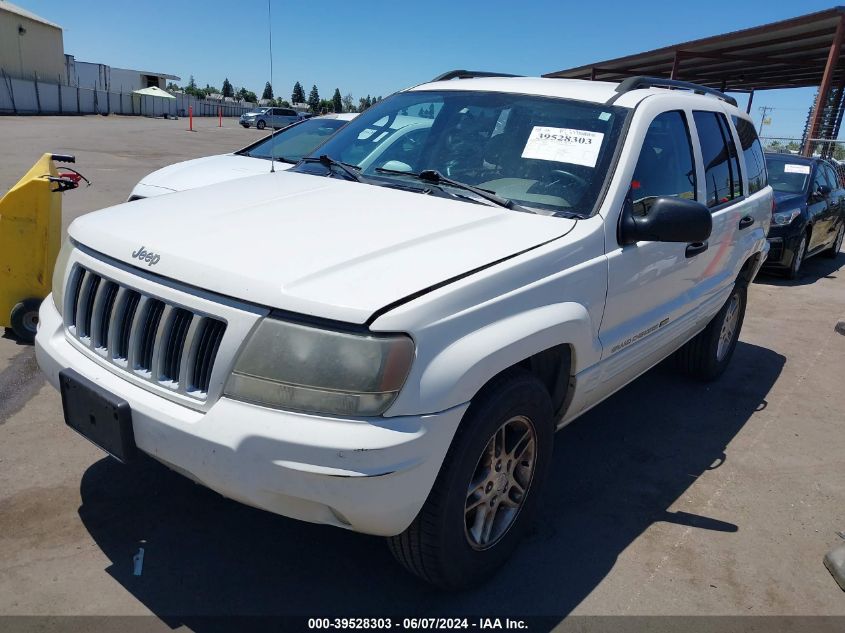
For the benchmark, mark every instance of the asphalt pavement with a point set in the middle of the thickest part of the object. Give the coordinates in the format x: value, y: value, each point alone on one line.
x: 670, y: 498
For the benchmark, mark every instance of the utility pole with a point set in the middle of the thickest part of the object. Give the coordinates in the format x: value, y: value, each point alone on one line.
x: 764, y: 110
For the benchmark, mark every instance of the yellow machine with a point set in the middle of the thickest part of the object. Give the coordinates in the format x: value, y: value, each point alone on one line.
x: 30, y: 236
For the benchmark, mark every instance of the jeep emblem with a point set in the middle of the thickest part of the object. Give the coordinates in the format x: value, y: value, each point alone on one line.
x: 146, y: 256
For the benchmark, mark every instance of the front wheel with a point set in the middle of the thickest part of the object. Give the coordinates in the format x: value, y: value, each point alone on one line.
x: 833, y: 251
x: 797, y: 259
x: 707, y: 355
x: 261, y: 125
x: 488, y: 487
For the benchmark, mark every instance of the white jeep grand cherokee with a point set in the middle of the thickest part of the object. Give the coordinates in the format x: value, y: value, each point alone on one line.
x: 386, y: 337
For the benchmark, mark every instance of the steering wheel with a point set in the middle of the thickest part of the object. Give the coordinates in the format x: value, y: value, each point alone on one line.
x: 570, y: 178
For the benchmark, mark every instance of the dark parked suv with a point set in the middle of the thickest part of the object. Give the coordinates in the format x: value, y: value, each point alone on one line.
x: 809, y: 213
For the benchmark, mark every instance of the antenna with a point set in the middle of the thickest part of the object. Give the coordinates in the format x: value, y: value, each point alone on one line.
x: 270, y: 29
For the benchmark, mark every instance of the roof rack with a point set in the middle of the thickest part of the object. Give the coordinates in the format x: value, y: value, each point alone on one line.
x: 636, y: 83
x: 469, y: 74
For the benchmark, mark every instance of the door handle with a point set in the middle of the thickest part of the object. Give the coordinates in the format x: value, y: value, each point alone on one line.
x: 696, y: 248
x: 745, y: 222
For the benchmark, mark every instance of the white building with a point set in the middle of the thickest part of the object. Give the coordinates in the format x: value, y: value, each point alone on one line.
x: 103, y: 77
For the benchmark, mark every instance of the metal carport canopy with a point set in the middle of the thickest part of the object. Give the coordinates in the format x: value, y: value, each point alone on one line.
x: 796, y: 53
x: 788, y: 54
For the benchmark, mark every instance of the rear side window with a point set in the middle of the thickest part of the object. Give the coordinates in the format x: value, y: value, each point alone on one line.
x: 665, y: 165
x: 752, y: 151
x: 721, y: 166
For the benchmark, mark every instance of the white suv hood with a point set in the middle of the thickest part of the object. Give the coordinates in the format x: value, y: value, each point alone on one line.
x: 200, y: 172
x: 319, y: 246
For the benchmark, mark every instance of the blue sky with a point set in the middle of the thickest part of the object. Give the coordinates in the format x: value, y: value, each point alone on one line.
x: 378, y: 47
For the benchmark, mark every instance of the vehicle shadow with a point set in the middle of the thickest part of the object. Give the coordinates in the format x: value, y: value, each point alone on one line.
x: 812, y: 270
x: 8, y: 334
x: 616, y: 471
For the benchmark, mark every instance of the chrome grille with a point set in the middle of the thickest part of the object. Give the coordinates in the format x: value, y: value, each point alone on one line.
x: 158, y: 342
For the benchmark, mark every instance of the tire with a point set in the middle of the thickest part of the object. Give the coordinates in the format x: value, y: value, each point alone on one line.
x: 797, y: 259
x: 261, y: 125
x: 24, y: 319
x: 439, y: 546
x: 833, y: 251
x: 703, y: 357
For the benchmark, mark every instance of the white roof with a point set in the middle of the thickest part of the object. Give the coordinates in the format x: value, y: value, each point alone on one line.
x: 580, y: 89
x: 13, y: 8
x: 153, y: 91
x: 342, y: 116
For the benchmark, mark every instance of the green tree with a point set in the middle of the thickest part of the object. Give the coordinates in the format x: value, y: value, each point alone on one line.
x: 337, y: 101
x: 348, y: 103
x: 228, y: 91
x: 268, y: 91
x: 298, y: 94
x: 314, y: 99
x: 247, y: 95
x: 192, y: 84
x: 283, y: 103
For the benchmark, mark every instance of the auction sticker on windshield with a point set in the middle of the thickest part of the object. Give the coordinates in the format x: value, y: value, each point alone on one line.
x: 796, y: 169
x: 563, y: 145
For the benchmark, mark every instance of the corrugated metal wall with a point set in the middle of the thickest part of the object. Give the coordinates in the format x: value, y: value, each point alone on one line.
x: 20, y: 96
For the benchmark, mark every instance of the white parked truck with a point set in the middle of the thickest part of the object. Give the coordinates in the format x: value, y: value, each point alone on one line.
x: 385, y: 337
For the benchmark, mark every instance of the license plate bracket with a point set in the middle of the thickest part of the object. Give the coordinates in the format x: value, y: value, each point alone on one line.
x: 97, y: 415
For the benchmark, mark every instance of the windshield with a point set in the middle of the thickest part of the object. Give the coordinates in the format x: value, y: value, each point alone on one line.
x: 542, y: 153
x: 295, y: 141
x: 788, y: 176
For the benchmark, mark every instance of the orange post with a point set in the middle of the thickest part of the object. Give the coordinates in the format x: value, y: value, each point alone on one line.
x: 190, y: 118
x: 219, y: 116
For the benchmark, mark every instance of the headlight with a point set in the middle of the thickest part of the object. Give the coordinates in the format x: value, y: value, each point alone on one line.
x: 292, y: 366
x: 782, y: 218
x: 59, y: 271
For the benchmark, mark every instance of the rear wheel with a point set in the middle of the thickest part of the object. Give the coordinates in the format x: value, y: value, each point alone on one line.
x: 833, y: 251
x: 261, y: 125
x: 707, y: 355
x: 488, y: 487
x: 24, y: 319
x: 797, y: 259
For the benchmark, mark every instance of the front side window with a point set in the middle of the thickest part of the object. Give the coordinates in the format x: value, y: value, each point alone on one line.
x: 665, y: 166
x: 721, y: 166
x: 548, y: 154
x: 819, y: 180
x: 295, y: 141
x: 752, y: 151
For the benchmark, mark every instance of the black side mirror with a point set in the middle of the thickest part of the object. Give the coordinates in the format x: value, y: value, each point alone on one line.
x: 824, y: 191
x: 666, y: 219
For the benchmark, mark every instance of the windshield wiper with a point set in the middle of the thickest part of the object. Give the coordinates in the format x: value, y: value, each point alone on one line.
x: 436, y: 178
x: 330, y: 162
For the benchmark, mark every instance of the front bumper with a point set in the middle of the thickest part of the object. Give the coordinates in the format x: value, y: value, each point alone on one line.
x: 368, y: 475
x: 783, y: 242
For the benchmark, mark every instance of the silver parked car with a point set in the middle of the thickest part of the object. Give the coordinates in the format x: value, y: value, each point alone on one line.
x: 276, y: 118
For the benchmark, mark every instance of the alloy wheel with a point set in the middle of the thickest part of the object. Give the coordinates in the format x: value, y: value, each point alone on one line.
x: 500, y: 483
x: 729, y: 323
